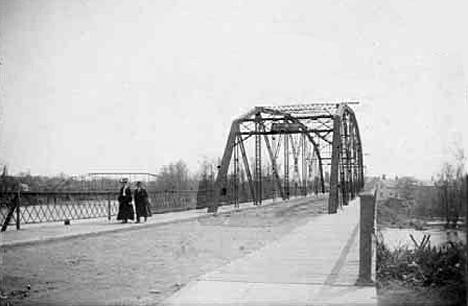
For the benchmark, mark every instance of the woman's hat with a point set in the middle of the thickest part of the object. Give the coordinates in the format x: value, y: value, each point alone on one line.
x: 124, y: 180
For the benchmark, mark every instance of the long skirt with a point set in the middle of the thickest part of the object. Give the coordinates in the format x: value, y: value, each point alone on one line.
x: 148, y: 208
x: 125, y: 211
x: 143, y: 208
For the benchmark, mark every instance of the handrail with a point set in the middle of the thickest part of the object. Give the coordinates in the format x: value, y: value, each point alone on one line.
x: 93, y: 192
x: 52, y: 206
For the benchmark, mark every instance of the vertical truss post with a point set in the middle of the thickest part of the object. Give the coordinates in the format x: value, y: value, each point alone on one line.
x: 361, y: 164
x: 258, y: 159
x: 349, y: 162
x: 342, y: 184
x: 304, y: 164
x: 359, y: 161
x: 335, y: 164
x: 358, y: 154
x: 349, y: 157
x: 277, y: 148
x: 286, y: 167
x: 247, y: 169
x: 345, y: 185
x: 273, y: 165
x: 312, y: 180
x: 355, y: 153
x: 236, y: 175
x: 354, y: 163
x: 320, y: 164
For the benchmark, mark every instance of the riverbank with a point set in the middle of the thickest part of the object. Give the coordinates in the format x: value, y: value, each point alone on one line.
x: 419, y: 261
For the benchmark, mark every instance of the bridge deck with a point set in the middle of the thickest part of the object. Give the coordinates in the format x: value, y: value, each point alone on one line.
x: 315, y: 264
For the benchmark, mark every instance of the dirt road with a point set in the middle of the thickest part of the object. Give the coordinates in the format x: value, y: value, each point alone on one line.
x: 142, y: 267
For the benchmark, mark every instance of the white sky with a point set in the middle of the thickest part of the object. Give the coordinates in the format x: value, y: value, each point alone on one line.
x: 133, y: 85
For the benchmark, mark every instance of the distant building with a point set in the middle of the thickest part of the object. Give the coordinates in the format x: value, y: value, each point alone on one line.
x: 388, y: 189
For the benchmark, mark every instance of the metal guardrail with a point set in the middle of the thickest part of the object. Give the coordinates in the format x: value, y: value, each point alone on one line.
x: 27, y: 207
x: 40, y: 207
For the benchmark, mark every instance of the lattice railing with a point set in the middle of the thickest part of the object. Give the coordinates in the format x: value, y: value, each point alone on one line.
x: 39, y: 207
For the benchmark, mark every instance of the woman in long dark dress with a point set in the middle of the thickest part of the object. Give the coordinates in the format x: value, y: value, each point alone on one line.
x: 125, y: 202
x: 141, y: 203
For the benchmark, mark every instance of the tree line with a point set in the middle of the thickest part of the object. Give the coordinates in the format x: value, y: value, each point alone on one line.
x: 174, y: 176
x: 446, y: 198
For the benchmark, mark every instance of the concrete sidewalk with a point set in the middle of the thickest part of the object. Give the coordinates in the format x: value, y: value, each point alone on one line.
x: 46, y: 232
x: 316, y: 264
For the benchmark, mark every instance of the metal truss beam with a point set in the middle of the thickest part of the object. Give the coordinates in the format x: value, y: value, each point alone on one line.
x: 342, y: 165
x: 316, y: 131
x: 297, y: 117
x: 258, y: 159
x: 221, y: 179
x: 340, y: 145
x: 273, y: 165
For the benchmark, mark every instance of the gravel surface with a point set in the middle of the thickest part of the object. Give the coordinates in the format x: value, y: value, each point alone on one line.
x: 144, y: 266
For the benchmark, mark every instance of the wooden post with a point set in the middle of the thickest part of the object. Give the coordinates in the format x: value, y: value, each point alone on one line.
x: 366, y: 233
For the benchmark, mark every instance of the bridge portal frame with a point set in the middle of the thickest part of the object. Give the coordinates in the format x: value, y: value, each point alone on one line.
x: 330, y: 129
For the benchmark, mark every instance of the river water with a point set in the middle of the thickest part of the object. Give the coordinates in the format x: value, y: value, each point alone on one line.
x: 394, y: 237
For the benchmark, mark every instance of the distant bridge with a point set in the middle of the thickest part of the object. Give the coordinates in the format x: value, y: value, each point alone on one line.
x: 286, y: 149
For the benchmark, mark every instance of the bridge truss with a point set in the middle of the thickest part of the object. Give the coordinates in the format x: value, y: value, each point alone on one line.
x: 292, y: 150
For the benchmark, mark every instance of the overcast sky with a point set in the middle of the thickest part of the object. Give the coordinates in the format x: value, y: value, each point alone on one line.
x: 132, y: 85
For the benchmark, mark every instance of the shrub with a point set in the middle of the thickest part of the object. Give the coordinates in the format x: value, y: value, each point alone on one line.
x: 439, y: 267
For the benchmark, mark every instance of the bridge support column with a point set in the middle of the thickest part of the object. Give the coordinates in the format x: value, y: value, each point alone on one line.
x: 366, y: 238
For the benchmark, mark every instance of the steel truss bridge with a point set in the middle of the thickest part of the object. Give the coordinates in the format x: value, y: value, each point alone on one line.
x: 286, y: 149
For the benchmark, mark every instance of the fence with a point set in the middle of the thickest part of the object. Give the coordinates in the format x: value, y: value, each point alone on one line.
x: 28, y: 207
x: 38, y: 207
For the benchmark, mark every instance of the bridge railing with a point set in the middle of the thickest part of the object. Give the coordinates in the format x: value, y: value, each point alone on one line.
x: 27, y: 207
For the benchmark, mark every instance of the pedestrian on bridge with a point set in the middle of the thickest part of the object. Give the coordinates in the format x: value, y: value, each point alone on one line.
x: 141, y: 203
x: 125, y: 202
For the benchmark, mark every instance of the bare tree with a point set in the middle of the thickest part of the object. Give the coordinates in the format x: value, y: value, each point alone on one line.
x: 451, y: 187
